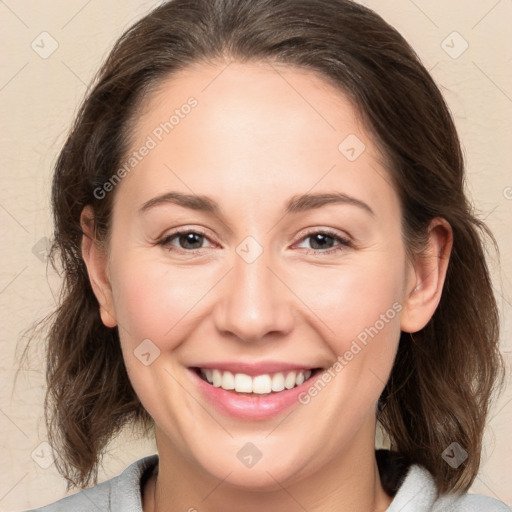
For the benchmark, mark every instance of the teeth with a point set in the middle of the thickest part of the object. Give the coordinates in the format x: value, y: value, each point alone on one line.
x: 278, y: 382
x: 228, y: 381
x: 243, y: 383
x: 260, y: 384
x: 217, y: 378
x: 289, y: 381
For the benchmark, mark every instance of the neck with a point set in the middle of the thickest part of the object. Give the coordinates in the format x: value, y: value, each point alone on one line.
x: 349, y: 482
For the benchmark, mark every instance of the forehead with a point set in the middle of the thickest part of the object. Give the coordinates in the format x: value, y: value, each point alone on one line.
x: 259, y: 99
x: 255, y: 125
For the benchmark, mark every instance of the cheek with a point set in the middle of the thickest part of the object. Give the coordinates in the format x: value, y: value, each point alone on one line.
x: 153, y: 306
x: 357, y: 308
x: 155, y: 301
x: 355, y: 297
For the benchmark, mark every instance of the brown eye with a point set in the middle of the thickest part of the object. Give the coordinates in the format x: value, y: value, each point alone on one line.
x: 324, y: 242
x: 185, y: 240
x: 190, y: 240
x: 321, y: 241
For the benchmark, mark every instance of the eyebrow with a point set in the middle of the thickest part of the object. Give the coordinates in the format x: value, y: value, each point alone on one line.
x: 296, y: 204
x: 194, y: 202
x: 309, y: 201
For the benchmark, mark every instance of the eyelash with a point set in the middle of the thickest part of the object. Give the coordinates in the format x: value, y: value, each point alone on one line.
x: 343, y: 243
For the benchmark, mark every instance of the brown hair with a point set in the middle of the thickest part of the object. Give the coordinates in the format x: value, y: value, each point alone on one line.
x: 443, y: 376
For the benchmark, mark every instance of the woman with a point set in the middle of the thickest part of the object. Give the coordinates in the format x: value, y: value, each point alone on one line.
x: 268, y: 252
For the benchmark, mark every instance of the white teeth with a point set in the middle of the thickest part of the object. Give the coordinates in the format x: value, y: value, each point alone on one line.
x: 289, y: 382
x: 278, y: 382
x: 217, y: 378
x: 228, y: 381
x: 243, y: 383
x: 260, y: 384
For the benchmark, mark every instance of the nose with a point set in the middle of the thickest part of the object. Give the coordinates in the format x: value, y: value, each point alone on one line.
x: 254, y: 304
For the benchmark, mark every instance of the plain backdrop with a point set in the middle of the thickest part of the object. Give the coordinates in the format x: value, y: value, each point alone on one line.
x: 50, y: 51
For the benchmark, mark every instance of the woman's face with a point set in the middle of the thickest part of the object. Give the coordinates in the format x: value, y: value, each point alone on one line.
x: 291, y: 260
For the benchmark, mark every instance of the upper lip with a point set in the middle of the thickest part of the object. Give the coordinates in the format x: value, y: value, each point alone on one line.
x: 253, y: 368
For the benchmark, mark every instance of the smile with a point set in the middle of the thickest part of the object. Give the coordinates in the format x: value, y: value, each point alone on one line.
x: 259, y: 384
x: 252, y: 392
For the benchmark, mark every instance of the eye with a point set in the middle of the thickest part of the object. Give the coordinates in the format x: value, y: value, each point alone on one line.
x: 192, y: 241
x: 325, y: 242
x: 184, y: 240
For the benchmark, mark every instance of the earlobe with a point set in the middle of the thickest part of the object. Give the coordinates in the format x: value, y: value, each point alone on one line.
x: 96, y: 261
x: 428, y: 275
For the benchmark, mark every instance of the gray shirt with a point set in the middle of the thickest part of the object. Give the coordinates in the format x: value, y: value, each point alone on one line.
x: 122, y: 493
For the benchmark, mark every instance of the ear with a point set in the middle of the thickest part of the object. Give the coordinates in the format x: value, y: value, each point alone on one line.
x: 427, y: 277
x: 96, y: 261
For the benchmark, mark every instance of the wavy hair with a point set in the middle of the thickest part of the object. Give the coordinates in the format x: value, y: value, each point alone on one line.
x: 443, y: 377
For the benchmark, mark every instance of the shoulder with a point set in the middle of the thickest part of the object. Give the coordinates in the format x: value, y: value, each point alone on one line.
x: 418, y: 493
x: 119, y: 494
x: 472, y: 503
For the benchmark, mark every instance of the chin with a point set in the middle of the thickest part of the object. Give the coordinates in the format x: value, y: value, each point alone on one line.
x: 259, y: 470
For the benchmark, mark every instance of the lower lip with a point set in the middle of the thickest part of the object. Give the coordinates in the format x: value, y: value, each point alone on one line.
x: 251, y: 407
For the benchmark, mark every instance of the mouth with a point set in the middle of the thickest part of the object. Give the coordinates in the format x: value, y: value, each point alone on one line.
x: 261, y: 385
x: 253, y: 390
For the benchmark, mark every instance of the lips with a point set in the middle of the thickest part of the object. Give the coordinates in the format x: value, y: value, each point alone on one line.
x: 259, y: 384
x: 252, y: 391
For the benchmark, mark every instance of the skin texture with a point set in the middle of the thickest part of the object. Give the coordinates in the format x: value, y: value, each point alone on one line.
x: 258, y: 136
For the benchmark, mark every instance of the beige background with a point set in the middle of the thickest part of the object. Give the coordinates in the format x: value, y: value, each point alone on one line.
x: 38, y: 97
